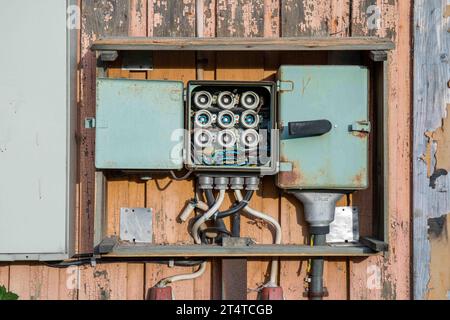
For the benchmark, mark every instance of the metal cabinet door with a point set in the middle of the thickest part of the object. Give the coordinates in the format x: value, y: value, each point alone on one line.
x: 37, y: 130
x: 337, y: 159
x: 139, y: 124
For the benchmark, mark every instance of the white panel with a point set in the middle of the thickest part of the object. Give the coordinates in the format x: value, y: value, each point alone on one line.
x: 34, y: 128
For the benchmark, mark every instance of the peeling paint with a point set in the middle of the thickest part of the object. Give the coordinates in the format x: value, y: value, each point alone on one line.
x: 442, y: 138
x: 439, y: 282
x: 436, y: 175
x: 447, y: 11
x: 437, y: 227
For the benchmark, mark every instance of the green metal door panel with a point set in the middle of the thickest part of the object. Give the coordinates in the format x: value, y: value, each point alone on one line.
x: 139, y: 124
x: 339, y: 158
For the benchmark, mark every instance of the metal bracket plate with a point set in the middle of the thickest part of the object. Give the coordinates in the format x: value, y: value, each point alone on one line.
x: 109, y: 56
x: 136, y: 225
x: 378, y: 55
x: 345, y: 227
x: 137, y: 61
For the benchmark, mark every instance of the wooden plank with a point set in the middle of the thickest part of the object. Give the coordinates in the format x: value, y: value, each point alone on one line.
x: 365, y: 17
x: 19, y: 280
x: 303, y: 18
x: 173, y: 18
x: 33, y: 281
x: 365, y: 275
x: 135, y: 281
x: 68, y: 283
x: 138, y: 18
x: 340, y: 18
x: 287, y: 43
x: 240, y: 18
x: 103, y: 282
x: 374, y: 18
x: 4, y: 275
x: 336, y: 278
x: 112, y: 18
x: 209, y: 18
x: 389, y: 276
x: 431, y: 144
x: 271, y: 18
x: 183, y: 290
x: 44, y: 283
x: 439, y: 284
x: 99, y: 18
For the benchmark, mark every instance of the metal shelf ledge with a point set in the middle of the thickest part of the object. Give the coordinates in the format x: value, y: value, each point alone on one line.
x: 147, y: 250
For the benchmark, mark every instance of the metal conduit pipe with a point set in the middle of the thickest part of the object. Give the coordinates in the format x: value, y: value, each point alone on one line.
x: 316, y: 290
x: 274, y: 266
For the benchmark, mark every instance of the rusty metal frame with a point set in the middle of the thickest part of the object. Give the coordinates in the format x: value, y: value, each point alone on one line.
x: 377, y: 52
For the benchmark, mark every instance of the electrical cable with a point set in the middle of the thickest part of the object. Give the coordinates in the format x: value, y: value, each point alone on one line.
x: 187, y: 175
x: 205, y: 217
x: 274, y: 266
x: 181, y: 277
x: 86, y: 261
x: 218, y: 223
x: 236, y: 208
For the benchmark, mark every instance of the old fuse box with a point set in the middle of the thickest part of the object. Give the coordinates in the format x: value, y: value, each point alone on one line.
x: 231, y: 126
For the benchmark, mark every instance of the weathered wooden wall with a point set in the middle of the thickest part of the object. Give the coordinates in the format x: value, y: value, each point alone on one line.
x: 431, y: 149
x: 374, y: 278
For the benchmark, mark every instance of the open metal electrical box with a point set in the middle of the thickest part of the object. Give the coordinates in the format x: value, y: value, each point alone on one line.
x: 318, y: 121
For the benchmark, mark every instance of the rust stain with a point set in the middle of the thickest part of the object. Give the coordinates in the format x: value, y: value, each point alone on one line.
x: 360, y: 134
x: 359, y: 178
x: 291, y: 178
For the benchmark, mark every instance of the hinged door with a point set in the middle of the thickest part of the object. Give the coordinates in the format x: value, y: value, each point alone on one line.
x: 323, y: 118
x: 139, y: 124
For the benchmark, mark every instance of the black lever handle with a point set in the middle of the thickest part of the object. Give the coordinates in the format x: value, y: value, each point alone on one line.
x: 304, y: 129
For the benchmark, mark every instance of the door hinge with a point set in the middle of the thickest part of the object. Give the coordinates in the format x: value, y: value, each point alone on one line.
x: 89, y: 123
x: 286, y: 167
x: 361, y: 126
x: 285, y: 85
